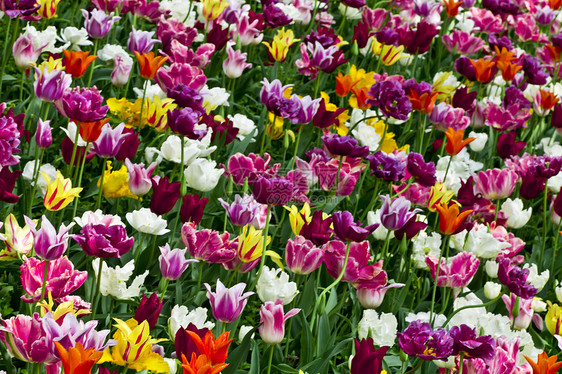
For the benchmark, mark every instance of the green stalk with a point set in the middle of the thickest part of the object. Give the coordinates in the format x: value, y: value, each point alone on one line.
x: 74, y: 148
x: 97, y: 293
x: 98, y: 202
x: 431, y: 315
x: 80, y: 173
x: 45, y: 271
x: 38, y: 156
x: 270, y: 359
x: 262, y: 260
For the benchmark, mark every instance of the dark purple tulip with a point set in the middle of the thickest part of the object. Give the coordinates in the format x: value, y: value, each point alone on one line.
x: 386, y: 167
x: 507, y: 146
x: 354, y: 3
x: 275, y: 17
x: 410, y: 229
x: 534, y: 72
x: 465, y: 68
x: 217, y: 36
x: 557, y: 205
x: 184, y: 344
x: 130, y: 146
x: 149, y: 310
x: 391, y: 99
x: 471, y: 345
x: 347, y: 230
x: 182, y: 121
x: 102, y: 241
x: 367, y: 359
x: 514, y: 95
x: 7, y: 183
x: 420, y: 340
x: 344, y: 146
x: 67, y: 146
x: 164, y: 195
x: 192, y: 208
x: 82, y: 104
x: 546, y: 166
x: 423, y: 172
x: 464, y: 99
x: 272, y: 191
x: 515, y: 279
x: 318, y: 230
x: 325, y: 118
x: 531, y: 185
x: 187, y: 97
x: 556, y: 119
x: 503, y: 42
x: 387, y: 36
x: 419, y: 40
x: 361, y: 34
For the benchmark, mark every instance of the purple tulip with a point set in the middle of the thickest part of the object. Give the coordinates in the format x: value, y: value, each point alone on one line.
x: 515, y: 279
x: 507, y: 146
x: 367, y: 359
x: 357, y: 265
x: 97, y: 23
x: 50, y: 86
x: 110, y: 141
x: 69, y: 331
x: 140, y: 181
x: 344, y: 146
x: 273, y: 190
x: 466, y: 341
x: 181, y: 73
x: 130, y: 146
x: 272, y: 319
x: 545, y: 166
x: 534, y: 72
x: 272, y: 96
x: 420, y: 340
x: 456, y: 272
x: 445, y: 116
x: 7, y: 183
x: 187, y: 97
x: 227, y: 303
x: 423, y: 172
x: 24, y: 52
x: 306, y: 109
x: 192, y: 208
x: 173, y: 262
x: 395, y: 214
x: 82, y: 105
x: 47, y: 243
x: 495, y: 184
x: 387, y: 167
x: 347, y: 230
x: 390, y: 98
x: 301, y: 256
x: 149, y: 310
x: 182, y: 121
x: 242, y: 210
x: 43, y: 135
x: 104, y: 241
x: 164, y: 195
x: 318, y: 230
x: 208, y: 245
x: 141, y: 41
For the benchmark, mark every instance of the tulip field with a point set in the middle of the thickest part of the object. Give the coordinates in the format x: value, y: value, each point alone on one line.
x: 280, y: 186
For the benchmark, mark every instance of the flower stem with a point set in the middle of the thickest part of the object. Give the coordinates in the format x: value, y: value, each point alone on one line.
x: 39, y: 159
x: 80, y: 173
x: 461, y: 362
x: 97, y: 293
x: 98, y: 202
x: 292, y: 163
x: 74, y: 148
x: 46, y: 270
x: 270, y: 359
x: 431, y: 315
x: 262, y: 261
x: 91, y: 73
x: 165, y: 289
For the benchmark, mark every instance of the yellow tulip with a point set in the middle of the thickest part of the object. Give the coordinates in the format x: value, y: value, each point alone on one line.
x: 19, y: 240
x: 134, y: 348
x: 250, y: 246
x: 390, y: 54
x: 61, y: 310
x: 116, y: 183
x: 279, y: 46
x: 439, y: 194
x: 553, y: 319
x: 52, y: 64
x: 298, y: 218
x: 59, y: 192
x: 47, y: 8
x: 212, y: 9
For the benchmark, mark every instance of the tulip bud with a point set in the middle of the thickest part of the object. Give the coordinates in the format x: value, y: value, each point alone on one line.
x: 121, y: 72
x: 25, y: 52
x: 355, y: 48
x: 492, y: 269
x: 149, y: 310
x: 492, y: 290
x: 43, y: 136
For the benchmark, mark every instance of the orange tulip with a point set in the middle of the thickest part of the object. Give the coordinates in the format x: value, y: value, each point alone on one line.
x: 77, y: 360
x: 548, y: 99
x: 554, y: 52
x: 215, y: 350
x: 544, y: 364
x: 455, y: 142
x: 344, y: 84
x: 361, y: 94
x: 91, y: 131
x: 452, y: 7
x: 424, y: 102
x: 449, y: 218
x: 555, y: 4
x: 149, y: 64
x: 76, y: 62
x: 508, y: 70
x: 503, y: 55
x: 200, y: 365
x: 483, y: 69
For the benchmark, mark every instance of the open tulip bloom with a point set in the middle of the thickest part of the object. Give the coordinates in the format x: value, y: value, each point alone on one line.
x: 296, y: 186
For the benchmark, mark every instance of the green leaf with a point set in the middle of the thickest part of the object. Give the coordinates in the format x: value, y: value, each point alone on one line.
x: 239, y: 354
x: 255, y: 361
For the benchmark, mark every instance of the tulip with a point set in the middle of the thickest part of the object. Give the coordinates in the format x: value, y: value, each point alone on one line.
x: 26, y: 339
x: 24, y: 52
x: 449, y: 218
x: 347, y: 230
x: 141, y: 41
x: 344, y: 146
x: 97, y: 23
x: 456, y: 272
x: 455, y: 142
x: 423, y: 172
x: 173, y: 262
x: 203, y: 175
x: 59, y: 192
x: 227, y: 303
x: 76, y: 359
x: 47, y: 243
x: 278, y: 49
x: 485, y: 70
x: 545, y: 364
x: 144, y: 220
x: 48, y: 8
x: 235, y: 63
x: 181, y: 73
x: 43, y: 136
x: 7, y: 185
x: 251, y: 243
x: 149, y: 310
x: 149, y: 64
x: 182, y: 121
x: 272, y: 319
x: 357, y: 266
x: 272, y: 191
x: 208, y: 245
x: 61, y: 279
x: 273, y: 284
x: 184, y: 344
x: 18, y: 240
x: 213, y: 353
x: 91, y: 131
x: 82, y: 104
x: 495, y: 184
x: 192, y: 208
x: 102, y: 241
x: 212, y: 9
x: 395, y: 214
x: 301, y: 256
x: 164, y: 195
x: 468, y: 343
x: 121, y: 72
x: 318, y: 230
x: 367, y: 359
x: 110, y: 140
x: 242, y: 210
x: 76, y: 62
x: 515, y: 279
x: 524, y: 312
x: 420, y: 340
x: 140, y: 181
x: 50, y: 85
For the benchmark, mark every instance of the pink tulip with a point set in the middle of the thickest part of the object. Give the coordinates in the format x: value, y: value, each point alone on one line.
x: 526, y: 313
x: 496, y: 183
x: 235, y: 63
x: 24, y: 52
x: 140, y: 181
x: 181, y: 73
x: 272, y: 319
x: 301, y: 256
x: 26, y: 339
x: 208, y: 245
x: 456, y: 272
